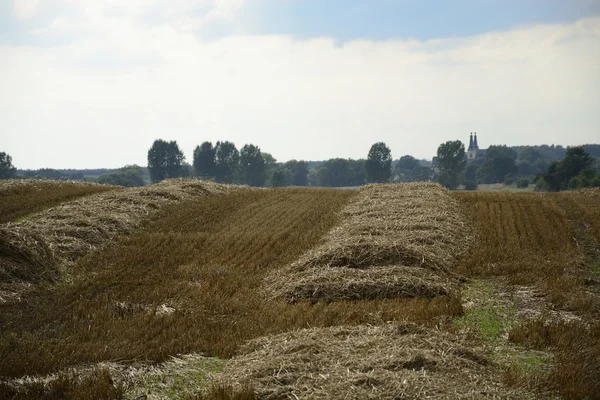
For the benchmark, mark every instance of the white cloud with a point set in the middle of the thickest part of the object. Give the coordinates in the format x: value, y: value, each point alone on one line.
x: 131, y: 83
x: 25, y: 8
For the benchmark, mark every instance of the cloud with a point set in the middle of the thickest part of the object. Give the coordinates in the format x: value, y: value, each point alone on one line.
x: 25, y: 8
x: 102, y: 99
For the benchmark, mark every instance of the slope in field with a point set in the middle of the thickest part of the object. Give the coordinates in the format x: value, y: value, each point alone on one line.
x: 366, y: 362
x: 34, y: 249
x: 398, y: 240
x: 22, y: 197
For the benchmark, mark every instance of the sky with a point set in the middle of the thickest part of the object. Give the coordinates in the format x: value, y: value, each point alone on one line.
x: 92, y: 83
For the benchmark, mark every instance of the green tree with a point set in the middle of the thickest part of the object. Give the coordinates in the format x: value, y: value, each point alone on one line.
x: 205, y: 165
x: 281, y: 177
x: 407, y: 162
x: 299, y: 170
x: 336, y: 172
x: 451, y: 161
x: 560, y: 173
x: 379, y: 163
x: 7, y: 170
x: 165, y: 160
x: 252, y: 166
x: 129, y: 176
x: 423, y: 174
x: 227, y: 162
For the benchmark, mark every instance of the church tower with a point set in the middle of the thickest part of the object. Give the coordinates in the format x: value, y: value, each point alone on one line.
x: 473, y: 147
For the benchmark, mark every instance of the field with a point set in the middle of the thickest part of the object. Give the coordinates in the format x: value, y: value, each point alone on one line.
x: 188, y: 289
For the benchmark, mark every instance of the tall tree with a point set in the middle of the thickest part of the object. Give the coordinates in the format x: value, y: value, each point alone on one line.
x: 227, y: 162
x: 7, y: 170
x: 407, y: 162
x: 379, y: 163
x: 451, y: 161
x: 560, y: 173
x: 299, y: 170
x: 252, y: 166
x: 205, y: 165
x: 165, y: 160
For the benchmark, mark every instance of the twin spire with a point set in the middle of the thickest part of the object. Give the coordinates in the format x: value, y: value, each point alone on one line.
x: 473, y: 142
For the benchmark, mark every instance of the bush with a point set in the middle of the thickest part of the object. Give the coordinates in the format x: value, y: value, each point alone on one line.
x: 470, y: 185
x: 508, y: 180
x: 523, y: 183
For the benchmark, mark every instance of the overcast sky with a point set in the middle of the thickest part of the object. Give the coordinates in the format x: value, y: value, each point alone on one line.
x: 92, y: 83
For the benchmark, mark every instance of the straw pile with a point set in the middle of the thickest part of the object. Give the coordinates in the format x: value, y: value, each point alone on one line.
x: 398, y: 240
x: 35, y: 249
x: 365, y: 362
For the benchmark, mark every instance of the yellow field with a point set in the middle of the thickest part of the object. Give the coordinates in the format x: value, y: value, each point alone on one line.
x: 21, y: 198
x: 194, y: 278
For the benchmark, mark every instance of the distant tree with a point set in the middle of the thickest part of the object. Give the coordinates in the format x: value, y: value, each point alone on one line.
x: 7, y: 170
x: 338, y: 172
x: 227, y: 162
x: 299, y: 171
x: 529, y: 154
x: 165, y: 160
x: 252, y: 166
x: 470, y: 173
x: 575, y: 162
x: 281, y: 177
x: 451, y: 161
x: 407, y: 162
x: 205, y: 165
x: 379, y: 163
x: 129, y: 176
x: 423, y: 174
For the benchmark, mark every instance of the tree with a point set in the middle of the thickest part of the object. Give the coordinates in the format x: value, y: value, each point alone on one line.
x: 451, y: 161
x: 407, y: 162
x: 423, y: 174
x: 165, y: 160
x: 379, y: 163
x: 227, y: 162
x: 281, y: 177
x: 7, y: 170
x: 560, y: 173
x: 339, y: 172
x: 129, y: 175
x: 299, y: 170
x: 252, y: 166
x: 205, y: 165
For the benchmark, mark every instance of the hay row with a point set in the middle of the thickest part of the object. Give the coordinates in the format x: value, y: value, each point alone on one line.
x: 410, y: 235
x: 34, y: 250
x: 366, y: 362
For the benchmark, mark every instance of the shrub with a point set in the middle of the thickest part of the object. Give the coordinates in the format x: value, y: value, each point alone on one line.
x: 508, y: 179
x: 523, y: 183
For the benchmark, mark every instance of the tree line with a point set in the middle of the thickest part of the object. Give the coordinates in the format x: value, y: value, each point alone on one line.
x: 548, y: 167
x: 224, y: 163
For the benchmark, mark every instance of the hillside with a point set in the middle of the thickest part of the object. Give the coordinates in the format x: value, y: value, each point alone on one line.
x: 189, y: 288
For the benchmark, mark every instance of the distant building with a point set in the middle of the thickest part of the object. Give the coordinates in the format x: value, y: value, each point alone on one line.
x: 474, y: 151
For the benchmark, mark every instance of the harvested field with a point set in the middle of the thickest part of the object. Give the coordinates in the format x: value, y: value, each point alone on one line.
x: 546, y: 245
x: 400, y: 240
x: 38, y: 248
x: 366, y: 362
x: 22, y: 197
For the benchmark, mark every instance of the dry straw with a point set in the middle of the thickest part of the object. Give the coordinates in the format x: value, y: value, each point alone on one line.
x: 396, y: 240
x: 36, y: 248
x: 366, y: 362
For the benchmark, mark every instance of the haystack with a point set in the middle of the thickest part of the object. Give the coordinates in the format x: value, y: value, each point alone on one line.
x: 35, y: 249
x: 366, y: 362
x: 404, y: 238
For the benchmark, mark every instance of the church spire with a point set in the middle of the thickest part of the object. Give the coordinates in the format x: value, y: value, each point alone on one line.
x: 475, y: 145
x: 471, y: 142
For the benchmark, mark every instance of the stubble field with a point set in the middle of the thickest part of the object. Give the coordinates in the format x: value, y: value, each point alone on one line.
x: 380, y: 292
